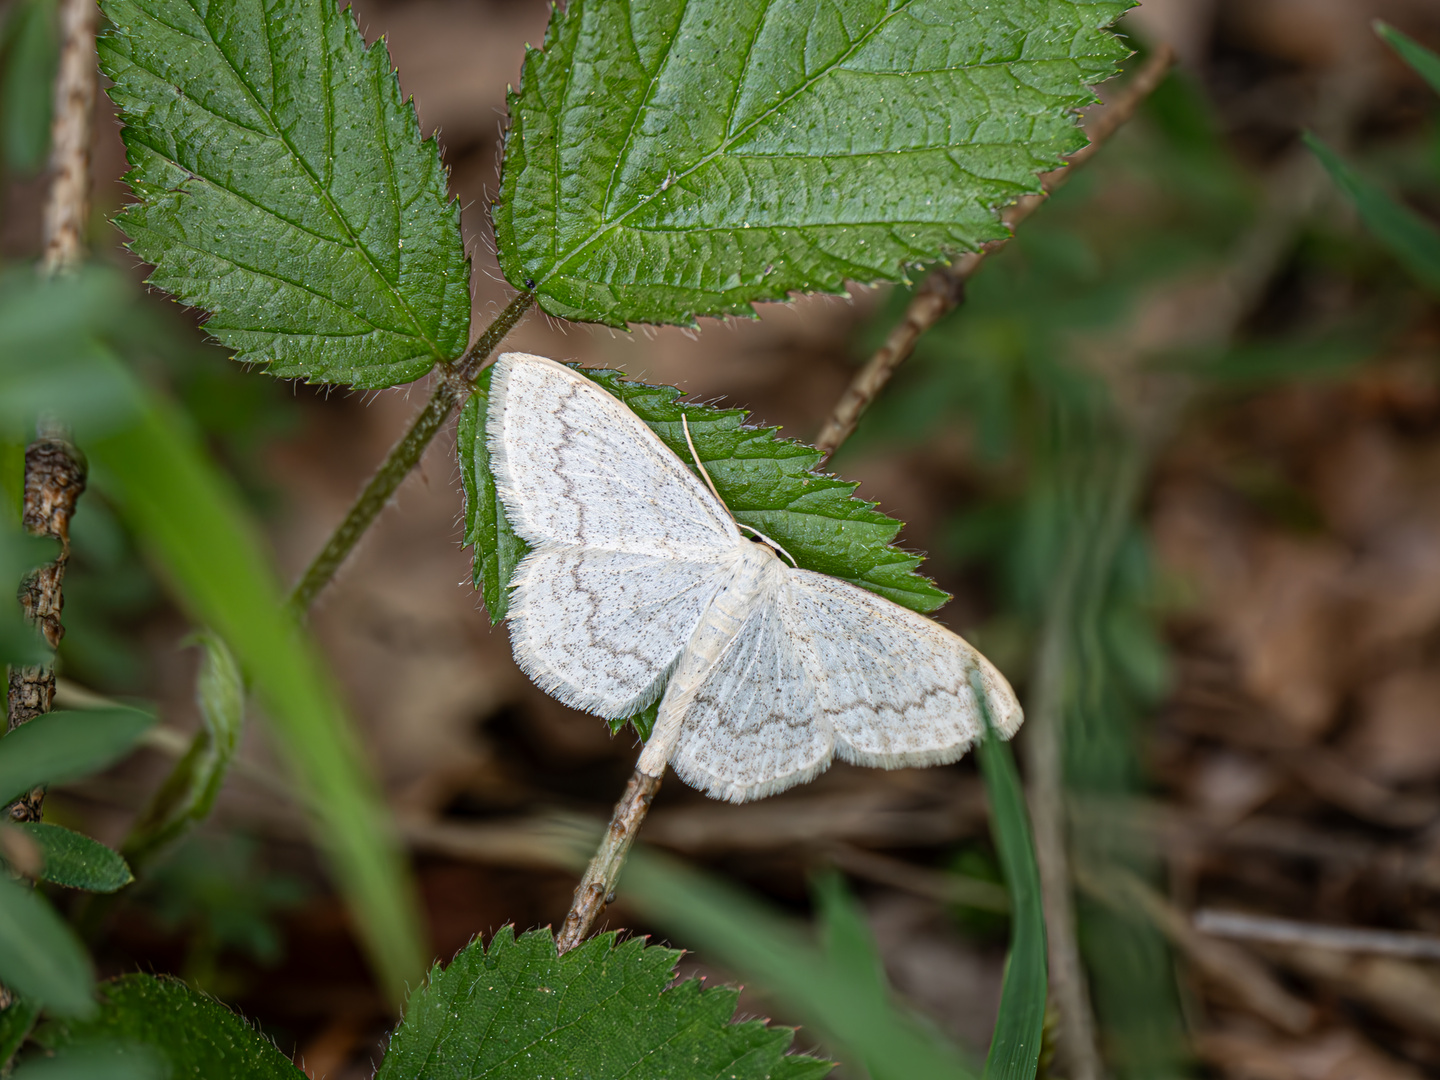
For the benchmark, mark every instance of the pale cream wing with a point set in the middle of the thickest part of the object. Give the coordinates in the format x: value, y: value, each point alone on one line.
x: 752, y: 727
x: 576, y: 468
x: 894, y: 685
x: 600, y: 630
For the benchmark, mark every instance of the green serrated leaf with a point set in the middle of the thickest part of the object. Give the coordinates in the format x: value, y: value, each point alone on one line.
x: 193, y: 1036
x: 284, y: 187
x: 40, y: 955
x: 673, y: 159
x: 1412, y: 240
x: 75, y: 860
x: 188, y: 793
x: 1425, y: 63
x: 29, y: 53
x: 517, y: 1010
x: 62, y: 746
x: 768, y: 483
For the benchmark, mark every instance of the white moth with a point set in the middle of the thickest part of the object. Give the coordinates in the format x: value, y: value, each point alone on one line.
x: 639, y: 581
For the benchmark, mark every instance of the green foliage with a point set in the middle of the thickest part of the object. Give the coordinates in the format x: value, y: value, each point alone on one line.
x: 284, y: 188
x: 768, y: 483
x: 29, y: 54
x: 671, y: 159
x: 1016, y: 1043
x: 40, y: 957
x: 188, y: 793
x: 62, y: 746
x: 112, y: 1061
x: 518, y: 1010
x: 192, y: 1036
x: 16, y: 1022
x: 838, y: 989
x: 56, y: 356
x: 75, y: 860
x: 1425, y: 63
x: 497, y: 549
x: 1413, y: 241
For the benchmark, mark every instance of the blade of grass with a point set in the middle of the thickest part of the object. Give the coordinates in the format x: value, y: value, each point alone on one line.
x: 1016, y: 1042
x: 195, y: 526
x: 838, y: 995
x: 1425, y: 63
x: 1413, y: 241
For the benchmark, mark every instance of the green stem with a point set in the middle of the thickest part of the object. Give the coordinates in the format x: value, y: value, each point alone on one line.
x: 456, y: 381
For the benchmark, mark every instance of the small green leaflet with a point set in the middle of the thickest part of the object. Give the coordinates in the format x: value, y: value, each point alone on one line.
x: 688, y: 157
x: 517, y: 1010
x: 75, y: 860
x: 284, y: 187
x: 194, y: 1036
x: 60, y: 746
x: 188, y: 793
x: 768, y: 483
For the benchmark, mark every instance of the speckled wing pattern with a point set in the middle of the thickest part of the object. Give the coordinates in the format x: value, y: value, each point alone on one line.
x: 630, y: 552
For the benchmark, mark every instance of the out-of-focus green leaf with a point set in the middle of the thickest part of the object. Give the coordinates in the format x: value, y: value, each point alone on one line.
x: 75, y: 860
x: 61, y: 746
x: 29, y: 53
x: 673, y: 159
x: 192, y: 520
x: 768, y: 483
x: 1425, y: 62
x: 1019, y: 1027
x: 104, y: 1061
x: 1413, y: 241
x: 188, y: 1035
x: 188, y: 793
x: 837, y: 994
x: 16, y: 1021
x: 517, y: 1010
x: 285, y: 189
x: 40, y: 955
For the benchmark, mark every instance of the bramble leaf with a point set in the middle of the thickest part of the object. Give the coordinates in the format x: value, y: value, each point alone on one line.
x: 194, y: 1037
x: 284, y: 187
x: 768, y: 483
x: 688, y: 157
x: 517, y: 1010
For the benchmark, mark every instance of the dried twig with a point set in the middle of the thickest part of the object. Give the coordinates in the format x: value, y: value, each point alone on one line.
x: 944, y: 288
x: 54, y: 479
x: 1245, y: 978
x: 68, y: 203
x: 1242, y: 927
x: 597, y: 887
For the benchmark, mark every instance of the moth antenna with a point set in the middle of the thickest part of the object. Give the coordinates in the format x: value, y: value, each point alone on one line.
x: 685, y: 424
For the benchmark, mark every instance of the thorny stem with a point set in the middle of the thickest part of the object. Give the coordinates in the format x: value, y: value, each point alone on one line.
x: 455, y: 382
x: 944, y: 289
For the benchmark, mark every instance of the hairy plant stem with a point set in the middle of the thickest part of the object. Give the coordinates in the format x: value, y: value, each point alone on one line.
x: 455, y: 382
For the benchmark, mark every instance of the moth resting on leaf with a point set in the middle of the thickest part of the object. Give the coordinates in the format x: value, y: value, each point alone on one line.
x: 639, y: 583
